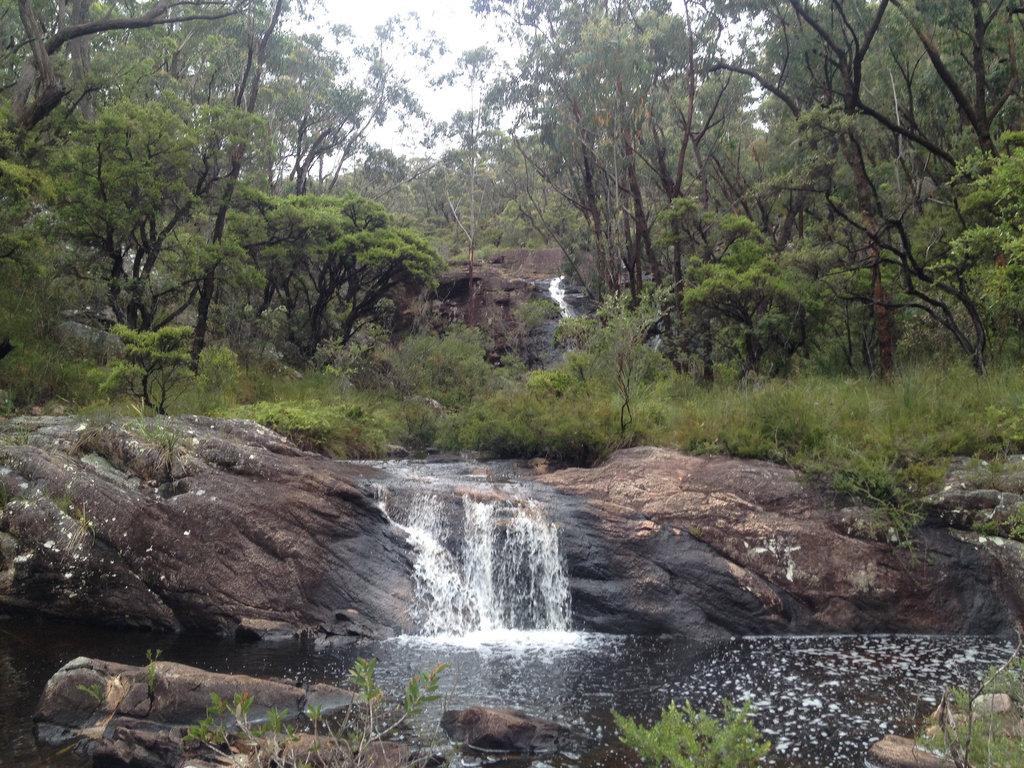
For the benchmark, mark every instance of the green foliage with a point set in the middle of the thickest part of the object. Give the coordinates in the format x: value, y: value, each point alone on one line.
x: 451, y: 369
x: 687, y: 738
x: 334, y: 262
x: 151, y: 657
x: 973, y: 734
x: 341, y: 430
x: 218, y: 376
x: 156, y: 364
x: 96, y: 690
x: 348, y: 741
x: 516, y: 424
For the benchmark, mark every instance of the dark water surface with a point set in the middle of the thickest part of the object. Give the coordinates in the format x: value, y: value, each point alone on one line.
x: 821, y: 700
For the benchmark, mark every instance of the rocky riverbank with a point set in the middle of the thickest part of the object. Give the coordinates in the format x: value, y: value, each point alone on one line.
x: 225, y: 526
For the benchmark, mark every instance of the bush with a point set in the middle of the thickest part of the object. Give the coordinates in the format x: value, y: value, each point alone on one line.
x: 687, y: 738
x: 972, y: 733
x: 344, y: 431
x: 451, y: 369
x: 518, y: 424
x: 156, y: 364
x: 352, y: 741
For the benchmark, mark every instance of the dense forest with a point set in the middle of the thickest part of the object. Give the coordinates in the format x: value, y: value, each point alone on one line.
x: 800, y: 222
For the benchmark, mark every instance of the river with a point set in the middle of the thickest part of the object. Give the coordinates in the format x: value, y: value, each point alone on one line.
x: 494, y: 607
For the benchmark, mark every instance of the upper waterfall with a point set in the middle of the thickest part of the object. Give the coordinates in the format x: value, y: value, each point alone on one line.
x: 556, y: 290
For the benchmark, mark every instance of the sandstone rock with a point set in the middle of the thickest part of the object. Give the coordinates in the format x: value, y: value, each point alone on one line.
x: 199, y: 523
x: 502, y: 730
x: 84, y: 338
x: 992, y: 704
x: 659, y: 541
x: 121, y: 715
x: 898, y: 752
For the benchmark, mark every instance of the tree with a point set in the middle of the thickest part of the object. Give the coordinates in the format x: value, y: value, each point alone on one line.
x: 41, y: 86
x: 156, y: 364
x: 332, y: 262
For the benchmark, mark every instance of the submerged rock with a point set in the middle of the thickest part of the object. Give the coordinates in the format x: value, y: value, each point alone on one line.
x: 502, y: 730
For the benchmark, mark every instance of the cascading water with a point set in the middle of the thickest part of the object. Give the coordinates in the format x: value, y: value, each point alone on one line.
x: 487, y: 558
x: 556, y: 290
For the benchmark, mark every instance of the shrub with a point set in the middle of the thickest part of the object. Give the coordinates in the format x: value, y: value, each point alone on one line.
x: 517, y: 424
x: 973, y: 734
x: 344, y: 431
x: 688, y: 738
x: 156, y: 364
x: 351, y: 741
x: 451, y: 369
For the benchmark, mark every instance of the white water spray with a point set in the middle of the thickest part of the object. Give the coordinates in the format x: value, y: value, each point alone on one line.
x: 485, y: 562
x: 556, y: 289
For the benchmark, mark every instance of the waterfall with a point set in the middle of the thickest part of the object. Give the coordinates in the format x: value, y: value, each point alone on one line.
x: 556, y: 289
x: 485, y: 560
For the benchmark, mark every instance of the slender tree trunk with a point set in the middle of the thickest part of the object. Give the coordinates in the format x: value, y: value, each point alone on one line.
x: 879, y: 299
x: 248, y: 90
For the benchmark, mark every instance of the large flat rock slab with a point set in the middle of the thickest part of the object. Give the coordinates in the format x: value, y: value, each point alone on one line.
x: 194, y: 523
x: 661, y: 541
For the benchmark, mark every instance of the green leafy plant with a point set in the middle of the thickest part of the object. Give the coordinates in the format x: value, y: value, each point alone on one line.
x: 152, y: 657
x: 346, y: 742
x: 156, y: 364
x: 689, y: 738
x: 972, y: 730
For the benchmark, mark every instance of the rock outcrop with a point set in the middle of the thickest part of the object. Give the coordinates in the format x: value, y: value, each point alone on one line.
x: 712, y: 546
x: 224, y: 526
x: 194, y: 523
x: 495, y: 302
x: 120, y: 715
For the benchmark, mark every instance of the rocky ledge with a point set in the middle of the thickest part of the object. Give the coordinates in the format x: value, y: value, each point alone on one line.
x: 225, y: 526
x: 714, y: 546
x: 194, y: 523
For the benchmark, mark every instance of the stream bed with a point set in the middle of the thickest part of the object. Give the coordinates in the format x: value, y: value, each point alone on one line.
x: 821, y: 700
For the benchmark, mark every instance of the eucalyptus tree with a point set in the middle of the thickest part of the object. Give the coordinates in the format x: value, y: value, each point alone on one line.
x: 324, y: 104
x: 888, y: 96
x: 467, y: 126
x: 55, y: 39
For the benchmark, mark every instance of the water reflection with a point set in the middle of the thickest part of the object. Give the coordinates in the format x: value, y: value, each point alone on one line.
x: 821, y: 700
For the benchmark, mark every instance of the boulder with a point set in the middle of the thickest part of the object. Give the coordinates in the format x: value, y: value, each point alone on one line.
x: 898, y: 752
x: 502, y: 730
x: 657, y: 541
x: 121, y: 715
x: 195, y: 523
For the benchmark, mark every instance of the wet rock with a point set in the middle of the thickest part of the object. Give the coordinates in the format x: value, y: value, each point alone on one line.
x: 194, y: 523
x: 502, y: 730
x: 657, y: 541
x: 898, y: 752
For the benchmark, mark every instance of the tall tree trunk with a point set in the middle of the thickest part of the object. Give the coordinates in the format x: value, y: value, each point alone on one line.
x: 879, y: 299
x: 245, y: 96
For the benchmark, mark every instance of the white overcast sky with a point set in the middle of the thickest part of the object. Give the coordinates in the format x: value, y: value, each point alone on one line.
x: 453, y: 21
